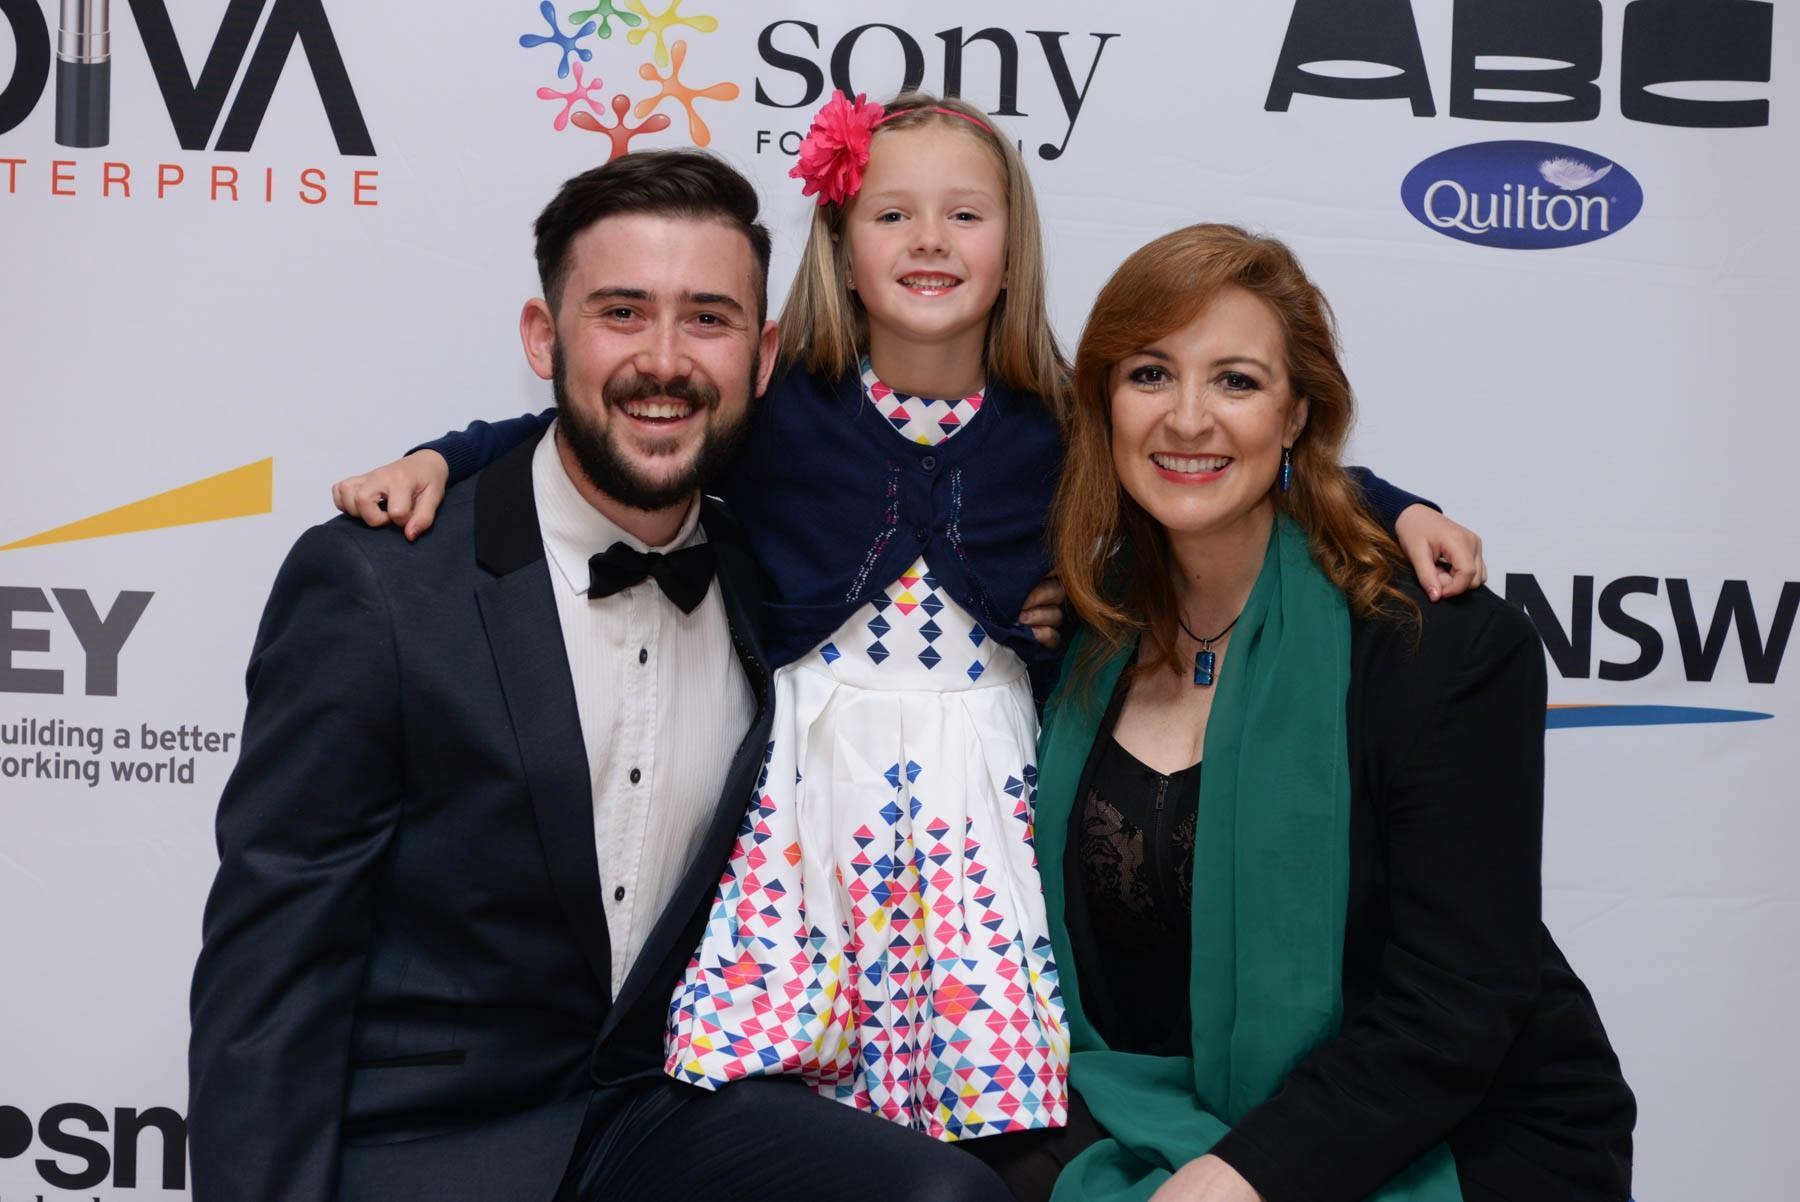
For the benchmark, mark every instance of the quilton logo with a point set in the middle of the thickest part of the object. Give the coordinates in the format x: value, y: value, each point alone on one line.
x: 1522, y: 195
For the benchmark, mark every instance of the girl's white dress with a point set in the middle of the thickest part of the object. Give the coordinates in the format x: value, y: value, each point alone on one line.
x: 879, y: 929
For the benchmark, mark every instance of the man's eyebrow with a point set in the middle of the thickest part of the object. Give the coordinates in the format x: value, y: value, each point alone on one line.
x: 608, y: 292
x: 719, y: 300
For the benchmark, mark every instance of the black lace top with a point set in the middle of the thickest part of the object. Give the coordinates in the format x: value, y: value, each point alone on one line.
x: 1134, y: 841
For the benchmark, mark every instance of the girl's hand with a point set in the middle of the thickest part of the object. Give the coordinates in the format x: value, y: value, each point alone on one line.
x: 406, y: 492
x: 1445, y: 556
x: 1207, y: 1179
x: 1044, y: 612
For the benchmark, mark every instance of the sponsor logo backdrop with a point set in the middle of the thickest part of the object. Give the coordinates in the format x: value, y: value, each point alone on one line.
x: 1558, y: 237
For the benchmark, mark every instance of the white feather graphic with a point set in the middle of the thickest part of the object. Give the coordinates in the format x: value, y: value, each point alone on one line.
x: 1571, y: 175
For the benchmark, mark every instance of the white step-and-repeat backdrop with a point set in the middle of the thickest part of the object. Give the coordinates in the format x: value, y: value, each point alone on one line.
x: 287, y: 239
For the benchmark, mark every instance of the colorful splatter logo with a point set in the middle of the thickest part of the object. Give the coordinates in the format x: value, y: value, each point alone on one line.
x: 579, y: 94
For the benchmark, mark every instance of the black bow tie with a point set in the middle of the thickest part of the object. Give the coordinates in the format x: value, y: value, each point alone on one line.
x: 683, y: 576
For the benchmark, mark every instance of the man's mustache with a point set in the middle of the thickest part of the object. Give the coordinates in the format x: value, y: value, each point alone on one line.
x: 621, y: 390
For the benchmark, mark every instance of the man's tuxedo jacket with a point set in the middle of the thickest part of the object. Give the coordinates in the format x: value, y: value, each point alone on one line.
x: 404, y: 989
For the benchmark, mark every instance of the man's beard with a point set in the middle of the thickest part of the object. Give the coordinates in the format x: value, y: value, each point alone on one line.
x: 607, y: 470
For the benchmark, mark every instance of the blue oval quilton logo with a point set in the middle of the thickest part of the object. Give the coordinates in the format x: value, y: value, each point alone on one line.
x: 1522, y: 195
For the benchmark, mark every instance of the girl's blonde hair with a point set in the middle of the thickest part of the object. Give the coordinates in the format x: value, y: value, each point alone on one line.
x: 825, y: 329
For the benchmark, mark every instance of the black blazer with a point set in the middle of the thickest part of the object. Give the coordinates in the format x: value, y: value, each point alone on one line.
x: 404, y: 988
x: 1462, y: 1019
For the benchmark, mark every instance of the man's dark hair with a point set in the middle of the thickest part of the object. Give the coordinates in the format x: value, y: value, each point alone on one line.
x: 668, y: 183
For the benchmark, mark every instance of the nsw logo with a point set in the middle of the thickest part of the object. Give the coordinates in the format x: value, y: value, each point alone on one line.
x: 1522, y: 195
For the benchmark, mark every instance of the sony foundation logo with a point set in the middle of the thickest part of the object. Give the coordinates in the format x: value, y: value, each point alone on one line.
x: 660, y: 39
x: 625, y: 70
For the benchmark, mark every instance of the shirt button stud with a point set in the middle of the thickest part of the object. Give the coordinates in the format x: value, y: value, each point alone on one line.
x: 643, y: 655
x: 619, y: 893
x: 636, y: 776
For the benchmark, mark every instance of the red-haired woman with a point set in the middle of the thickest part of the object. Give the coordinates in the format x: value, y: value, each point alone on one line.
x: 1307, y: 965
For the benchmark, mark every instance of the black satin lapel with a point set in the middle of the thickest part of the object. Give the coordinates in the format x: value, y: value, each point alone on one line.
x: 740, y: 591
x: 526, y: 639
x: 506, y: 522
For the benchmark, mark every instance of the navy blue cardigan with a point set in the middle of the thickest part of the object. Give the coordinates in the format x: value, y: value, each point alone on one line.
x: 836, y: 505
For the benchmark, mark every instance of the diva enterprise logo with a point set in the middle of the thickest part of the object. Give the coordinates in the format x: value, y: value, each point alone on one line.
x: 1522, y: 195
x: 216, y: 94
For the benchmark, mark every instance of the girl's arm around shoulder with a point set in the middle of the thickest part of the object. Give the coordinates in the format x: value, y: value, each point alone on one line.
x: 408, y: 491
x: 1445, y: 556
x: 468, y: 450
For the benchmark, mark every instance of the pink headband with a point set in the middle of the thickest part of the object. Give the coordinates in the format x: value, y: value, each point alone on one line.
x: 977, y: 122
x: 836, y: 148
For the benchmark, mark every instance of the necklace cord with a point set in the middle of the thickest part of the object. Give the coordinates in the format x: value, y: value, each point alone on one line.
x: 1206, y: 644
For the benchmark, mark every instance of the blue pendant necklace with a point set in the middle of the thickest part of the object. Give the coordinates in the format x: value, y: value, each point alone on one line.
x: 1204, y: 660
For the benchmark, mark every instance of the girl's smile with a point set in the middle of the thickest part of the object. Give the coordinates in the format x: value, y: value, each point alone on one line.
x: 926, y: 237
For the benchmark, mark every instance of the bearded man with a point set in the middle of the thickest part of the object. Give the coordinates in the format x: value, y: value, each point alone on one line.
x: 490, y: 778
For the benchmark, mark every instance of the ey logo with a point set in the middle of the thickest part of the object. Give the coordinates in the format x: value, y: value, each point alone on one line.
x: 579, y: 103
x: 240, y: 492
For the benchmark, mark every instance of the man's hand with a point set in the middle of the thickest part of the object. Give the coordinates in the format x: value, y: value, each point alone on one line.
x: 1445, y: 556
x: 406, y: 492
x: 1207, y: 1179
x: 1044, y: 612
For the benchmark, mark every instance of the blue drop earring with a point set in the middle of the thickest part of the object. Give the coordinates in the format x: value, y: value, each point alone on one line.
x: 1287, y: 468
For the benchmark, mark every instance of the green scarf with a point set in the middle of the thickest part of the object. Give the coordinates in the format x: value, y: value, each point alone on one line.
x: 1271, y: 881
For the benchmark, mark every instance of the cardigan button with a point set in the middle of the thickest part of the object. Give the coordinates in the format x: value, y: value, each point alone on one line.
x: 920, y: 534
x: 929, y: 463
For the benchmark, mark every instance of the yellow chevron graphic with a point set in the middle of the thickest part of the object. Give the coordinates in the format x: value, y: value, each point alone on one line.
x: 238, y: 493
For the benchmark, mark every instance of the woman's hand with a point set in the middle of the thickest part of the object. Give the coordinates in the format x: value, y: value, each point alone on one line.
x: 1207, y: 1179
x: 1432, y: 541
x: 406, y: 492
x: 1044, y: 612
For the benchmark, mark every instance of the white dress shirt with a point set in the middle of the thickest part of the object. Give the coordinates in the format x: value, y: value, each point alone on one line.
x: 663, y: 703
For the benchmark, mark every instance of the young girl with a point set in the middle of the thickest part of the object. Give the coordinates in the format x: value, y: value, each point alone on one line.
x: 879, y: 929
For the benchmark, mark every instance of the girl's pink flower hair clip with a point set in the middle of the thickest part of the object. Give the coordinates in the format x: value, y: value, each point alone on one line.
x: 836, y: 148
